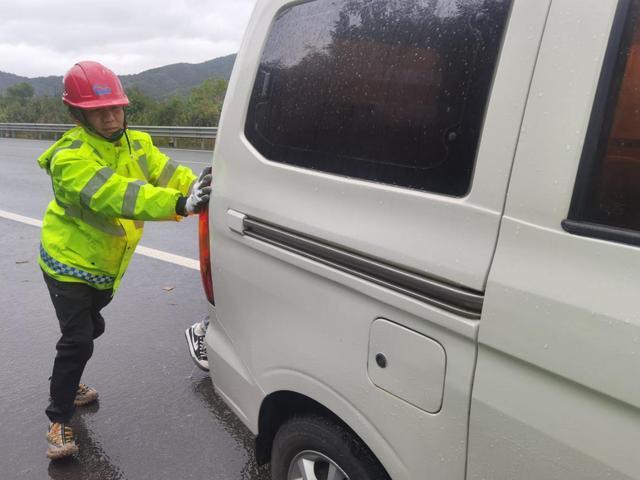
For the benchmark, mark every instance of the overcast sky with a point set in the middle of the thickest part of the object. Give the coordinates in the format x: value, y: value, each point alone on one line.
x: 46, y: 37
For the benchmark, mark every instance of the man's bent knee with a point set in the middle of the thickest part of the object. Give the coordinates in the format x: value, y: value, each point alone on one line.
x: 79, y: 350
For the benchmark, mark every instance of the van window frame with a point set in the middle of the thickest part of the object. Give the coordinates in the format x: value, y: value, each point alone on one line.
x: 598, y: 131
x: 473, y: 157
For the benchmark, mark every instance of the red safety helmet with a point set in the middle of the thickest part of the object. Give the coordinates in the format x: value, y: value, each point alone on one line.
x: 92, y: 85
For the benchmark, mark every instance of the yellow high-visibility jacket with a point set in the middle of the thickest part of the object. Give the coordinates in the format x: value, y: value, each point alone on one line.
x: 103, y: 193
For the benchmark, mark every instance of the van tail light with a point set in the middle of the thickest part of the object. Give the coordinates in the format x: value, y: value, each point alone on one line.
x: 205, y: 254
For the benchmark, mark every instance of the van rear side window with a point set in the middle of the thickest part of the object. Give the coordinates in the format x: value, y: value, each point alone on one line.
x: 382, y: 90
x: 607, y: 194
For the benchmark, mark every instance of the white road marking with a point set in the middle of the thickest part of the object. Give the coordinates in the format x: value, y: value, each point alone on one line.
x: 20, y: 218
x: 146, y: 251
x: 168, y: 257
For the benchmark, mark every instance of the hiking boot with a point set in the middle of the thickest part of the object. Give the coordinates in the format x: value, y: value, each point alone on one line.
x: 60, y: 440
x: 197, y: 349
x: 85, y: 395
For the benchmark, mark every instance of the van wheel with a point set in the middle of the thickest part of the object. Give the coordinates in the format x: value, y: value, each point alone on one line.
x: 312, y: 447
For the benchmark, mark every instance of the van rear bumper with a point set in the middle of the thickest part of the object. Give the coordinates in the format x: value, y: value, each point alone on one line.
x: 231, y: 378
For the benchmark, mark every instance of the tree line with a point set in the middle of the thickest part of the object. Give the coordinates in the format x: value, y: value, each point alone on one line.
x: 199, y: 108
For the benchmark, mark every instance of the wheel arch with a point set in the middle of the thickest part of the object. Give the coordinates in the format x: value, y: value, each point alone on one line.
x: 278, y: 407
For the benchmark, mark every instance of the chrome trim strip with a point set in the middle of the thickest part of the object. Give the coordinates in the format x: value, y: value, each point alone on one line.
x: 461, y: 301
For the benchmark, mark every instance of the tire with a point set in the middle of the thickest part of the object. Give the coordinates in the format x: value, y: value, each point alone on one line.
x: 321, y: 441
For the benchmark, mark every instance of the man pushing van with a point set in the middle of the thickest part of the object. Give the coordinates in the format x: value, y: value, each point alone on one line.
x: 107, y: 180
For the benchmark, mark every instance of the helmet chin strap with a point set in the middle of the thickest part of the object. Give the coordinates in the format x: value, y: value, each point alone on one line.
x: 80, y: 116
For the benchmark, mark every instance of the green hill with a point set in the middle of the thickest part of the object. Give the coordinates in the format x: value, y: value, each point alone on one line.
x: 158, y: 83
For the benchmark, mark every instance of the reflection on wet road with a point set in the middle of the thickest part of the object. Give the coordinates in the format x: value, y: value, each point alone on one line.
x: 94, y: 463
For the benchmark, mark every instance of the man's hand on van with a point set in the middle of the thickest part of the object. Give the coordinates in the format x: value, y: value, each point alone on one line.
x: 199, y: 196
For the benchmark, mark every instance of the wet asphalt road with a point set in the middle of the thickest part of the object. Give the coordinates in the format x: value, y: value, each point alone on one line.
x: 158, y: 416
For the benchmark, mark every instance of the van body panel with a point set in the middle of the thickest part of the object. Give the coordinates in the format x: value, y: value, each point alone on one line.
x: 326, y: 337
x: 560, y: 329
x: 234, y: 383
x: 535, y: 425
x: 564, y: 324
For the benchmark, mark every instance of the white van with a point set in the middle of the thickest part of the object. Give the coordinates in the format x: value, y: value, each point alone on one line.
x: 425, y: 239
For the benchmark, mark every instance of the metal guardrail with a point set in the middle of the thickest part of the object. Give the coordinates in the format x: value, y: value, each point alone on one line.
x: 34, y: 127
x: 9, y: 129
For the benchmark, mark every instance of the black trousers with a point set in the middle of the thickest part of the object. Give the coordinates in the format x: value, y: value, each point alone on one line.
x: 78, y: 310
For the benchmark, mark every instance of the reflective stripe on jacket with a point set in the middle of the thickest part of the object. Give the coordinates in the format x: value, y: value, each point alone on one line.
x: 103, y: 193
